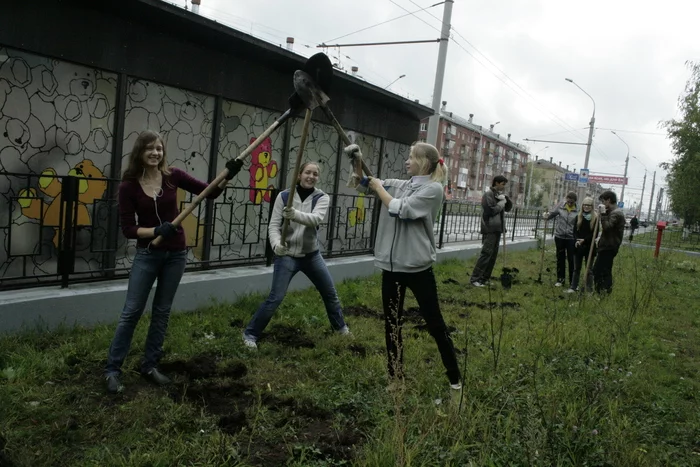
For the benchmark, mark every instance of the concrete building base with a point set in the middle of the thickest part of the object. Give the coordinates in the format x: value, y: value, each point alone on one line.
x: 90, y: 304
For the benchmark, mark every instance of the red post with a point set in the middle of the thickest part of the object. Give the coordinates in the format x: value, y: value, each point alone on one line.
x: 660, y: 226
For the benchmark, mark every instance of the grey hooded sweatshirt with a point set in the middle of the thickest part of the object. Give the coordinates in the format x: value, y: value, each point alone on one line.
x: 405, y: 239
x: 565, y: 221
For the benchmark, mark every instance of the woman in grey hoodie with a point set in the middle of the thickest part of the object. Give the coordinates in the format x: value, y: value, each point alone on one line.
x: 405, y: 252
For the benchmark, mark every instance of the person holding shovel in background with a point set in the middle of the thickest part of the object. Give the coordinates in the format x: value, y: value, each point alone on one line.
x: 298, y: 251
x: 147, y: 207
x: 494, y: 204
x: 612, y: 221
x: 583, y: 234
x: 566, y: 215
x: 405, y: 252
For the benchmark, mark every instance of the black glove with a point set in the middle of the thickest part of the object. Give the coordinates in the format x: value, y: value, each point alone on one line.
x: 166, y: 230
x: 233, y: 166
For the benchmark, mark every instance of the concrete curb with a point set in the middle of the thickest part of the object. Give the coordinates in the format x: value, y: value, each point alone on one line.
x: 90, y: 304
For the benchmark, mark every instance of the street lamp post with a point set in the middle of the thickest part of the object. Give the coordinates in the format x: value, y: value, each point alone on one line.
x: 529, y: 180
x: 387, y: 86
x: 627, y: 162
x: 590, y: 132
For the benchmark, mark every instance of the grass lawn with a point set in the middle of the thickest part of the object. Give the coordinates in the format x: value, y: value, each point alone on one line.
x: 551, y: 379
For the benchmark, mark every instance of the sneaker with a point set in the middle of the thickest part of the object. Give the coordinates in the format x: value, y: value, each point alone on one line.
x: 249, y: 342
x: 344, y: 331
x: 156, y: 377
x: 558, y: 284
x: 114, y: 386
x: 456, y: 386
x: 570, y: 291
x: 478, y: 284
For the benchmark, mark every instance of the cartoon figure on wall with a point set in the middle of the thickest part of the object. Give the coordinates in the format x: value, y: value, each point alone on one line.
x: 262, y: 169
x: 48, y: 208
x: 357, y: 214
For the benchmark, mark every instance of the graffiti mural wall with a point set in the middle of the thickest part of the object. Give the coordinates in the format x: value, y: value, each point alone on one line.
x: 240, y: 216
x: 56, y: 118
x: 184, y: 119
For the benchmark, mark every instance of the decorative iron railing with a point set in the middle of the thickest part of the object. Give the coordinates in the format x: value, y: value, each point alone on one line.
x: 64, y: 236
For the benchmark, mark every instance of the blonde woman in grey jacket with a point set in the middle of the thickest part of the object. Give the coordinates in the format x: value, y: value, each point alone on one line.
x: 299, y: 251
x: 405, y: 252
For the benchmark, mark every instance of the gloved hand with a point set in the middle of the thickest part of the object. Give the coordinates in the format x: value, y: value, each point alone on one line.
x: 280, y: 250
x: 166, y: 230
x: 363, y: 186
x: 353, y: 151
x: 501, y: 196
x: 545, y: 215
x: 289, y: 213
x: 601, y: 208
x: 233, y: 166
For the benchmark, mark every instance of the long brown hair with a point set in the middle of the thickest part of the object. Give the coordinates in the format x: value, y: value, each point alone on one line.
x: 135, y: 167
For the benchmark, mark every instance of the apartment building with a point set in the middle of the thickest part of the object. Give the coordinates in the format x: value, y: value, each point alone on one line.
x: 474, y: 155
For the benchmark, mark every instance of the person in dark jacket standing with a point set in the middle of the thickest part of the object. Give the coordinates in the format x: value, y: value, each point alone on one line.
x: 612, y: 221
x: 147, y: 207
x: 583, y: 234
x: 494, y: 204
x: 405, y: 253
x: 566, y: 215
x: 634, y: 225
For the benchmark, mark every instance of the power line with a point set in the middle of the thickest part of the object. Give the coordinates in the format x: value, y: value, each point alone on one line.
x: 383, y: 22
x: 562, y: 123
x: 633, y: 131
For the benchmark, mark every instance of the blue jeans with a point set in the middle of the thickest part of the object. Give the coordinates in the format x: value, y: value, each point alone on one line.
x: 148, y: 265
x: 285, y: 268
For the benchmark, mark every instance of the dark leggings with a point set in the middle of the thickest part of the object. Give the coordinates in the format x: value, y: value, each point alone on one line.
x: 424, y: 288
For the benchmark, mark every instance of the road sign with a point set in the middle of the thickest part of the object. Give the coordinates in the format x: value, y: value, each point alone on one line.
x: 571, y: 177
x: 583, y: 178
x: 620, y: 204
x: 607, y: 179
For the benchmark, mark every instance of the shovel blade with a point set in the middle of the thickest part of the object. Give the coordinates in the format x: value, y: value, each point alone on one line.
x: 307, y: 92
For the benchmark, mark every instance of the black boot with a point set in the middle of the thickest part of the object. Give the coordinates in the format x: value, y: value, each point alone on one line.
x: 156, y: 377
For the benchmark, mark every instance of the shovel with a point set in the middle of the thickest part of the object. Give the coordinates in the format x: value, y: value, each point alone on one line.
x: 506, y: 277
x: 302, y: 97
x: 590, y: 253
x: 544, y: 237
x: 322, y: 80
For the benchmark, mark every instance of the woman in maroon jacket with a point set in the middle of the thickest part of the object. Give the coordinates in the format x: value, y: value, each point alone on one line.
x: 147, y: 206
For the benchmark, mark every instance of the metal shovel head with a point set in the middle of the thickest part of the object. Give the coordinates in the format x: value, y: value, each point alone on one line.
x: 320, y: 69
x: 309, y: 93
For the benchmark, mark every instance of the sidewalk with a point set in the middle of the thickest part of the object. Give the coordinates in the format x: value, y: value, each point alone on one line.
x: 91, y: 304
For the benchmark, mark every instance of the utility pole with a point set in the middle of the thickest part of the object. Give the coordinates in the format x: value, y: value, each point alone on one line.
x: 591, y: 125
x: 434, y: 120
x: 641, y: 199
x: 651, y: 199
x: 658, y: 204
x: 529, y: 184
x: 627, y: 163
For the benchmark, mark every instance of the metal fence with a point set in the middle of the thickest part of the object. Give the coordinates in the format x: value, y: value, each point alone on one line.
x: 673, y: 237
x: 63, y: 236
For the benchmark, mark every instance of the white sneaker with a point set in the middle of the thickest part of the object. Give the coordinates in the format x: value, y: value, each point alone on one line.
x: 478, y: 284
x: 344, y: 331
x: 558, y: 284
x: 250, y: 343
x: 456, y: 386
x: 570, y: 291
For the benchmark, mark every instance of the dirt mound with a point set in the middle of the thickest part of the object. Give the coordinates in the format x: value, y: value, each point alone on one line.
x: 363, y: 311
x: 290, y: 337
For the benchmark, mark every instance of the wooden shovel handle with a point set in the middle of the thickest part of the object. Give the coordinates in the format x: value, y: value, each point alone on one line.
x: 222, y: 175
x: 300, y: 153
x: 344, y: 137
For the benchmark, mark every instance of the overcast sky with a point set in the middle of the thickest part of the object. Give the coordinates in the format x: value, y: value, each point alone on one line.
x: 507, y: 61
